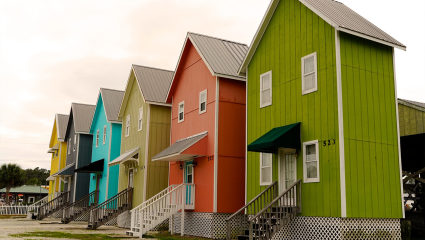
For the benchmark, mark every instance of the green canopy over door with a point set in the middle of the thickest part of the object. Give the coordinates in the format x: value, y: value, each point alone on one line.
x: 281, y: 137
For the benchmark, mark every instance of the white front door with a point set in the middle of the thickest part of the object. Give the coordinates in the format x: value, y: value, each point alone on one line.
x: 287, y: 170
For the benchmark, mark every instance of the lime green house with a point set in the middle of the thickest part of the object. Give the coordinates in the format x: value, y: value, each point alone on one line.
x: 145, y: 117
x: 322, y: 126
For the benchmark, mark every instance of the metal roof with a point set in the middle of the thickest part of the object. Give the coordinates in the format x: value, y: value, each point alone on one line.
x: 125, y: 156
x: 27, y: 189
x: 112, y: 100
x: 66, y: 171
x: 82, y: 115
x: 416, y: 105
x: 341, y: 17
x: 61, y: 124
x: 153, y: 82
x: 223, y: 57
x: 179, y: 146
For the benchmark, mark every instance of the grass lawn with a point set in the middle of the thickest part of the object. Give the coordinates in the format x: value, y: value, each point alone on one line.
x: 12, y: 216
x: 167, y: 236
x: 47, y: 234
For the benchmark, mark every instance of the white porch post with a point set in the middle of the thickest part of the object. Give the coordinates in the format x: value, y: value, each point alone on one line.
x: 182, y: 214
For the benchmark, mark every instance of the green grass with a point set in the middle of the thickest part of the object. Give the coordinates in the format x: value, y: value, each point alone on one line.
x: 12, y: 216
x: 167, y: 236
x: 47, y: 234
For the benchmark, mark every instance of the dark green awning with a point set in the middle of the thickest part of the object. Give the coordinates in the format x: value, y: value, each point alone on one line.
x: 281, y: 137
x: 94, y: 167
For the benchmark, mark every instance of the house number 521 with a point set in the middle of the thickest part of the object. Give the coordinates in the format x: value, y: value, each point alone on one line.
x: 329, y: 142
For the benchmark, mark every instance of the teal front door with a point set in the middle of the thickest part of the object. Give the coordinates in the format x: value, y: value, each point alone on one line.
x: 188, y: 178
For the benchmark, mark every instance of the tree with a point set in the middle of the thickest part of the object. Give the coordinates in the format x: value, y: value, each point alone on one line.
x: 11, y: 175
x: 36, y: 176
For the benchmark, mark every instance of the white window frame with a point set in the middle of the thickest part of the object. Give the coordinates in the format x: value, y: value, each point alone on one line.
x: 127, y: 125
x: 33, y: 199
x: 69, y: 146
x: 178, y: 112
x: 200, y: 101
x: 311, y: 180
x: 104, y: 134
x: 303, y: 74
x: 261, y: 172
x: 97, y: 138
x: 75, y: 142
x: 140, y: 120
x: 261, y: 89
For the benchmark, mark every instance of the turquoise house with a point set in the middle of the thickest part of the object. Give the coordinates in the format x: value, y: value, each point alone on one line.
x: 106, y: 131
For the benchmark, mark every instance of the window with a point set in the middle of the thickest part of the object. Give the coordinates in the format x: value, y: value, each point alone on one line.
x: 181, y: 112
x: 311, y: 161
x: 104, y: 134
x: 97, y: 138
x: 69, y: 145
x: 127, y: 125
x: 309, y: 73
x: 140, y: 121
x: 31, y: 199
x: 266, y: 89
x: 266, y: 168
x: 75, y: 142
x: 203, y: 101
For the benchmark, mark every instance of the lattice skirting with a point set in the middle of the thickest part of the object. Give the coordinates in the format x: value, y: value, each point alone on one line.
x: 208, y: 225
x: 340, y: 228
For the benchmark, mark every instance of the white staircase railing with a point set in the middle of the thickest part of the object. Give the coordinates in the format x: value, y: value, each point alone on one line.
x: 33, y: 208
x: 162, y: 206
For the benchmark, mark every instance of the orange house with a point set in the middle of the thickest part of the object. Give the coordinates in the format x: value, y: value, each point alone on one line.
x: 207, y: 149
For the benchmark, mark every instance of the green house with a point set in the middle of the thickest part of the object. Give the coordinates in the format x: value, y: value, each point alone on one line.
x: 322, y: 128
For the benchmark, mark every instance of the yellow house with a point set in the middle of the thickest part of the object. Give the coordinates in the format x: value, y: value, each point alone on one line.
x: 57, y: 147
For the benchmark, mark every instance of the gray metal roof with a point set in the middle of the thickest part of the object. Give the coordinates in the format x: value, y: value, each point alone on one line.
x: 345, y: 18
x: 61, y: 124
x: 112, y: 100
x: 341, y: 17
x: 153, y: 82
x: 82, y: 115
x: 123, y: 157
x: 66, y: 171
x: 179, y: 146
x: 223, y: 57
x: 417, y: 105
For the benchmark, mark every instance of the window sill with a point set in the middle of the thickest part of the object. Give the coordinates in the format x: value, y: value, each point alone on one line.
x: 314, y: 180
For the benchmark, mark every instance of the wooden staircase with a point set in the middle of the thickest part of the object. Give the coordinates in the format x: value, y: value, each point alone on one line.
x: 80, y: 207
x: 110, y: 209
x: 248, y: 223
x: 161, y: 207
x: 53, y: 206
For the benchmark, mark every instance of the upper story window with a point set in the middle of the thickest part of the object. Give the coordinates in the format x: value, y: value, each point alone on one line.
x: 69, y: 145
x: 97, y: 138
x: 311, y: 161
x: 266, y: 89
x: 266, y: 168
x: 203, y: 101
x: 309, y: 73
x: 75, y: 142
x: 181, y: 112
x: 127, y: 125
x: 104, y: 134
x: 140, y: 120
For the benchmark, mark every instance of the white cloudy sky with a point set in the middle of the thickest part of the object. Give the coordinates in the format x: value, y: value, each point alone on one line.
x: 56, y: 52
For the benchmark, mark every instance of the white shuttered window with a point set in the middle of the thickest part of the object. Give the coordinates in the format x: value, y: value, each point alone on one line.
x: 127, y: 125
x: 266, y: 168
x: 309, y: 73
x: 203, y: 101
x: 266, y: 89
x: 311, y: 161
x: 140, y: 121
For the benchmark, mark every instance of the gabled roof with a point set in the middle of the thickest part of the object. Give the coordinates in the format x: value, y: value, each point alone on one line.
x: 31, y: 189
x: 112, y: 100
x: 153, y: 84
x: 222, y: 57
x: 338, y: 15
x: 416, y: 105
x: 81, y: 115
x: 61, y: 124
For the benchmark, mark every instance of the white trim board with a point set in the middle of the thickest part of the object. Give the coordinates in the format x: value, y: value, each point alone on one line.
x: 217, y: 99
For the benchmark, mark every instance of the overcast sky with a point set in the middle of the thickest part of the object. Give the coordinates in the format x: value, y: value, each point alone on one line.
x: 56, y: 52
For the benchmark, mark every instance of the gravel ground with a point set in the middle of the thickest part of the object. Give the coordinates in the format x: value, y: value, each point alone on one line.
x: 22, y: 225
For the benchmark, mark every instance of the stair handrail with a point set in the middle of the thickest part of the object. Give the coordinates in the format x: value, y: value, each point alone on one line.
x: 155, y: 197
x: 294, y: 192
x: 88, y: 200
x: 55, y: 204
x: 37, y: 204
x: 264, y: 197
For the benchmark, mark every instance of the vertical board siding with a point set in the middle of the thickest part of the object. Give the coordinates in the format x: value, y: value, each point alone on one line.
x: 370, y: 129
x: 54, y: 162
x: 293, y: 32
x: 159, y: 139
x: 412, y: 121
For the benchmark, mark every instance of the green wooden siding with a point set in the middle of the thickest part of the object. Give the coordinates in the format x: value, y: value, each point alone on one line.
x: 293, y: 32
x: 370, y: 129
x: 159, y: 138
x: 412, y: 121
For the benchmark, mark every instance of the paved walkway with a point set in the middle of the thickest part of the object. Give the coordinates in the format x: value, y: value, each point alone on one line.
x: 22, y: 225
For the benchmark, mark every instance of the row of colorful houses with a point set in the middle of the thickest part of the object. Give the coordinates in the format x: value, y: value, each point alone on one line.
x: 295, y: 136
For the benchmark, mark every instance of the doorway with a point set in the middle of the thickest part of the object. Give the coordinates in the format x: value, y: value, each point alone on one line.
x: 130, y: 178
x: 287, y: 169
x: 188, y: 178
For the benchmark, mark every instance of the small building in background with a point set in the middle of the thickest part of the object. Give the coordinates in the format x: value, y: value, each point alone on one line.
x: 25, y: 194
